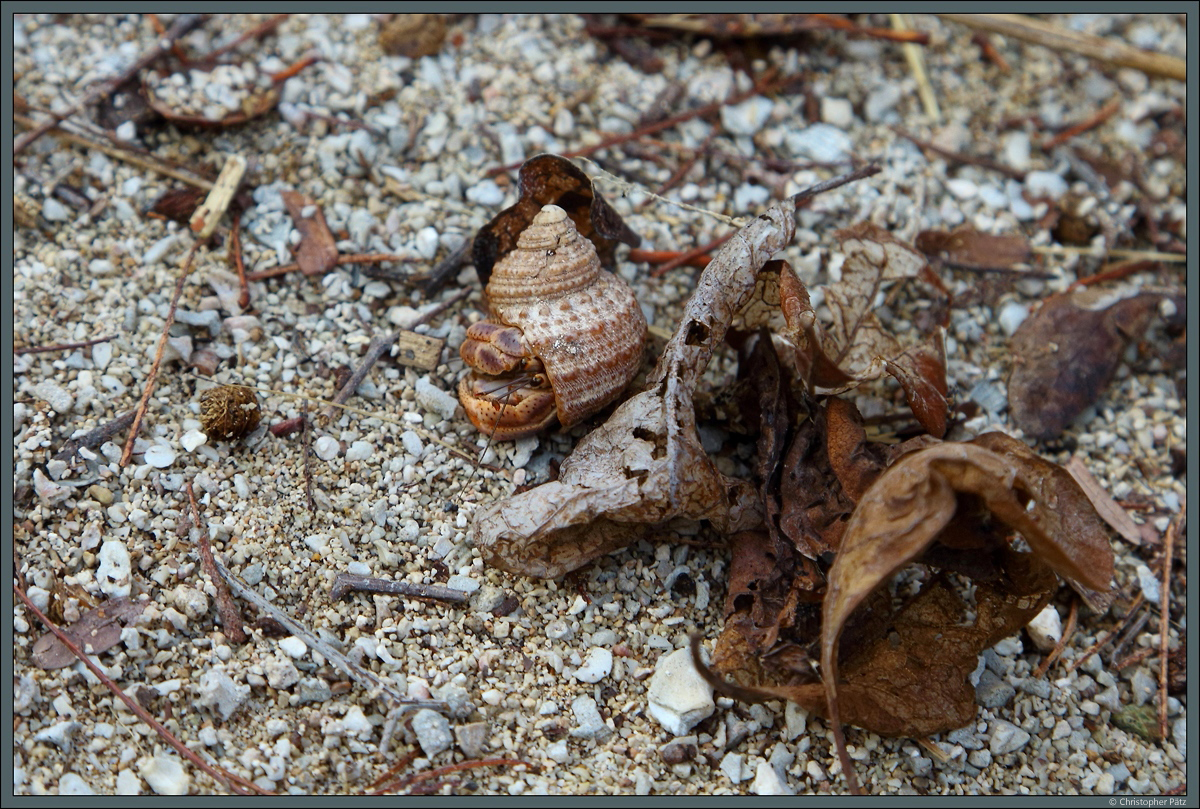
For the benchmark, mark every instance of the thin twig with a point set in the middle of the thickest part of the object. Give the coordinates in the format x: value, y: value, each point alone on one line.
x: 915, y: 56
x: 1068, y: 631
x: 1102, y: 115
x: 127, y: 453
x: 687, y: 256
x: 124, y: 154
x: 1029, y: 29
x: 374, y: 351
x: 1164, y: 605
x: 959, y: 157
x: 97, y: 436
x: 231, y: 619
x: 260, y: 30
x: 449, y: 768
x: 182, y: 26
x: 62, y: 346
x: 768, y: 82
x: 235, y: 783
x: 360, y: 675
x: 235, y: 252
x: 306, y: 454
x: 1098, y: 645
x: 346, y: 258
x: 442, y: 271
x: 346, y: 583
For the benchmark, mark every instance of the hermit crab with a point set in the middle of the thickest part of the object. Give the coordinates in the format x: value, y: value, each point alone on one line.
x: 564, y: 338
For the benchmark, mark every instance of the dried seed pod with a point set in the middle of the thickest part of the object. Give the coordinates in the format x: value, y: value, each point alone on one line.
x: 229, y: 412
x: 565, y: 336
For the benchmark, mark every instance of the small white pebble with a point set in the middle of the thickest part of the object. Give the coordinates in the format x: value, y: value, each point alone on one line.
x: 326, y: 448
x: 360, y: 451
x: 160, y: 456
x: 192, y: 439
x: 1012, y: 315
x: 1046, y: 628
x: 596, y: 666
x: 293, y: 647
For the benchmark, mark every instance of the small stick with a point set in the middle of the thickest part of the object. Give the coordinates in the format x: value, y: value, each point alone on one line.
x: 360, y: 675
x: 449, y: 768
x: 282, y: 429
x: 97, y: 436
x: 763, y: 85
x: 1066, y: 249
x: 958, y: 157
x: 640, y: 255
x: 687, y: 256
x: 158, y: 355
x: 182, y: 26
x: 231, y: 619
x: 1029, y: 29
x: 446, y: 267
x: 1102, y: 115
x: 134, y: 158
x: 235, y: 783
x: 990, y: 52
x: 1068, y: 631
x: 1133, y: 659
x: 292, y: 70
x: 306, y: 451
x: 346, y: 583
x: 375, y: 350
x: 1164, y: 605
x: 404, y: 761
x: 62, y: 346
x: 348, y: 258
x: 208, y: 213
x: 235, y: 252
x: 260, y: 30
x: 915, y: 57
x: 1099, y: 644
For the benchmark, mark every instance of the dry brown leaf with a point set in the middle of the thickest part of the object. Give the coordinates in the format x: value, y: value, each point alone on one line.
x: 317, y: 252
x: 1108, y: 509
x: 548, y: 179
x: 856, y: 347
x: 97, y: 630
x: 1065, y: 354
x: 967, y: 247
x: 645, y: 465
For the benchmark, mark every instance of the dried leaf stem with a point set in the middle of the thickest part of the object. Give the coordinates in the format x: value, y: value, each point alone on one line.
x: 62, y: 346
x: 235, y: 783
x: 450, y: 768
x: 1102, y: 115
x: 1099, y: 644
x: 186, y: 270
x: 97, y: 436
x: 1164, y: 626
x: 365, y: 678
x: 184, y: 24
x: 1029, y: 29
x: 346, y: 583
x: 231, y: 619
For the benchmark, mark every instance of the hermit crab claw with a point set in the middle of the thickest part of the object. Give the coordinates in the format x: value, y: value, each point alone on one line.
x: 509, y: 406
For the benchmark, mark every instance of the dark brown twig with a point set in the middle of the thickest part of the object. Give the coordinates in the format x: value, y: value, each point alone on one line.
x: 768, y: 82
x: 374, y: 351
x: 182, y: 26
x: 231, y: 619
x: 346, y: 583
x: 1099, y: 644
x: 235, y: 783
x: 958, y: 157
x: 97, y: 436
x: 127, y: 453
x: 235, y: 252
x: 1068, y: 631
x: 445, y: 268
x: 1102, y: 115
x: 989, y: 51
x: 260, y: 30
x: 687, y: 256
x: 62, y: 346
x: 347, y: 258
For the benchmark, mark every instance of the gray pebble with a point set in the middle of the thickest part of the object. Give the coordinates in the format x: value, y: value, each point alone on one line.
x: 1045, y: 183
x: 768, y: 782
x: 588, y: 723
x: 72, y: 784
x: 281, y: 673
x: 881, y: 101
x: 312, y: 689
x: 59, y: 734
x: 748, y: 117
x: 820, y: 143
x: 486, y: 194
x: 1035, y: 686
x: 433, y: 731
x: 55, y: 395
x: 457, y: 699
x: 1150, y: 583
x: 748, y: 197
x: 1143, y: 686
x: 837, y: 112
x: 1006, y: 738
x: 472, y: 739
x: 992, y: 692
x: 967, y: 737
x: 55, y: 211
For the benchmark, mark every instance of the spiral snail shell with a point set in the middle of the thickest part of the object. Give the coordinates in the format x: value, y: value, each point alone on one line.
x: 564, y: 339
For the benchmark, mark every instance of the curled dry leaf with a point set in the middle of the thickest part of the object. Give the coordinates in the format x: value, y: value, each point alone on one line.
x: 1065, y: 355
x: 548, y: 179
x: 645, y: 465
x: 857, y: 347
x: 317, y: 252
x: 97, y: 630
